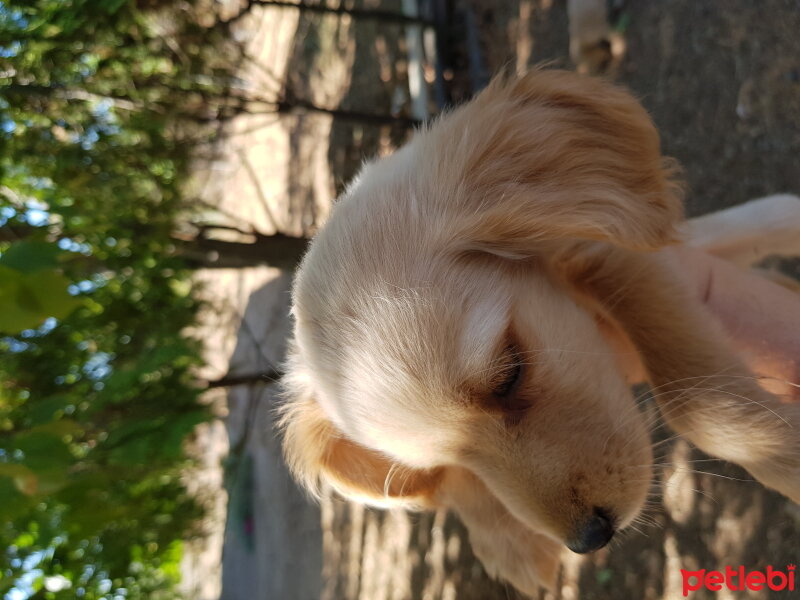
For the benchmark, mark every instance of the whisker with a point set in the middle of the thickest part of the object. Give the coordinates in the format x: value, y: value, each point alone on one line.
x: 679, y: 470
x: 664, y: 464
x: 663, y: 484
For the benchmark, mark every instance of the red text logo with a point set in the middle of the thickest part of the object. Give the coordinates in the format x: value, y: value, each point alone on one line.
x: 738, y: 579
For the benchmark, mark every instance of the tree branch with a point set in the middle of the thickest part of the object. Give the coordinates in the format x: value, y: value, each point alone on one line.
x: 385, y: 16
x: 278, y: 250
x: 296, y: 105
x: 230, y: 380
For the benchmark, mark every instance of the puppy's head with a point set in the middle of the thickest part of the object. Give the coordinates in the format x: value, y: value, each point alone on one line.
x: 432, y: 328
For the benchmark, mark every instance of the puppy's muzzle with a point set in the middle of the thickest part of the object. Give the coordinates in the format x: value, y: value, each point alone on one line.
x: 593, y: 534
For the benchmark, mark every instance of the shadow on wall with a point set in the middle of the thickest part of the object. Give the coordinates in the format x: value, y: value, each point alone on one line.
x: 273, y: 539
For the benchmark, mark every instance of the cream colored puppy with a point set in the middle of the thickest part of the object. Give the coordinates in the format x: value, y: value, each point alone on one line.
x: 461, y: 324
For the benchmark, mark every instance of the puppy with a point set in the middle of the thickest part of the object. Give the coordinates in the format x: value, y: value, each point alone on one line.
x: 463, y: 319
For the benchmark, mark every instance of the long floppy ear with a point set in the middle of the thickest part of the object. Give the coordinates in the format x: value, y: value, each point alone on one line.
x: 556, y: 155
x: 705, y: 390
x: 317, y: 452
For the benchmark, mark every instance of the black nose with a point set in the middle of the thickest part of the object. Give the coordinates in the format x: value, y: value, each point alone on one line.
x: 593, y: 534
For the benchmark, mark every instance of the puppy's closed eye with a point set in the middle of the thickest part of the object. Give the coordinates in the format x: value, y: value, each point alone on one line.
x: 506, y: 384
x: 508, y: 377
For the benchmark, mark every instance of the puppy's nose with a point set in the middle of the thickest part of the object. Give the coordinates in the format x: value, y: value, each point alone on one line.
x: 593, y: 534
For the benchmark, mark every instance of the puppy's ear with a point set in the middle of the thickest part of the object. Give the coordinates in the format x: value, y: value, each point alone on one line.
x: 556, y: 155
x: 317, y: 452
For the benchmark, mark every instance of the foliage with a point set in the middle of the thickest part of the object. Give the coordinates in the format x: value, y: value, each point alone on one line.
x: 99, y: 103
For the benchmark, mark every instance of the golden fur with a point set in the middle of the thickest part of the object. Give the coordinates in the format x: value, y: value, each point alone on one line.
x: 523, y: 226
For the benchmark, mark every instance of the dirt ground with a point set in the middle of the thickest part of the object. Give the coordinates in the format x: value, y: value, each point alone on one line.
x: 722, y: 81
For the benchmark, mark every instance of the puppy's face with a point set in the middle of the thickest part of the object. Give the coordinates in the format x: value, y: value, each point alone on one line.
x: 434, y: 327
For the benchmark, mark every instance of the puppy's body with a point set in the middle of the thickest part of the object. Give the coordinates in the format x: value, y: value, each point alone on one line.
x: 460, y: 320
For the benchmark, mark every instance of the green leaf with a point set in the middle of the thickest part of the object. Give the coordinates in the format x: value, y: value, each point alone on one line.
x: 42, y: 450
x: 50, y: 290
x: 27, y: 299
x: 112, y: 6
x: 17, y: 312
x: 30, y: 256
x: 136, y: 451
x: 44, y: 410
x: 14, y: 503
x: 45, y: 456
x: 24, y: 479
x: 177, y: 429
x: 58, y: 428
